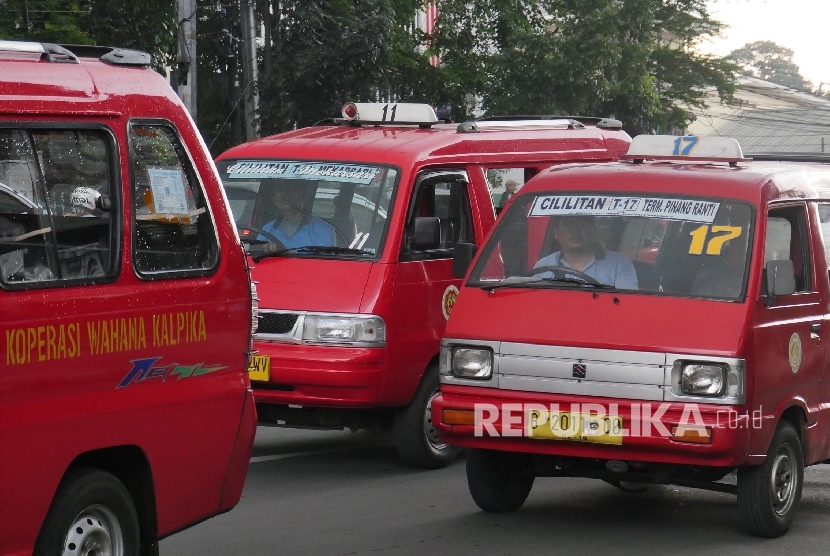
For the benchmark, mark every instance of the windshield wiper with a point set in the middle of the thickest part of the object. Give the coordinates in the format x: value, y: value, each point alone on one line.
x: 529, y: 280
x: 318, y: 249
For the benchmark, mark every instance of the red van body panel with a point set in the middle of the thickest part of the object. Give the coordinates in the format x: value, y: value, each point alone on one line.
x: 70, y: 390
x: 407, y: 294
x: 626, y: 321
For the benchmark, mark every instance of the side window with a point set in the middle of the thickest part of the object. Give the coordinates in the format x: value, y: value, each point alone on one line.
x: 787, y: 240
x: 506, y: 182
x: 56, y: 199
x: 444, y: 196
x: 824, y: 223
x: 173, y: 230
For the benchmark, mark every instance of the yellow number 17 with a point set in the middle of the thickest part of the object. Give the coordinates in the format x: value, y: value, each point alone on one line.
x: 716, y: 242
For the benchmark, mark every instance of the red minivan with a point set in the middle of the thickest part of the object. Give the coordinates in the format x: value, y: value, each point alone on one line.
x: 125, y: 310
x: 655, y: 320
x: 352, y: 226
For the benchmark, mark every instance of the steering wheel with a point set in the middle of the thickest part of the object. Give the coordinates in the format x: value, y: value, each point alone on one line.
x: 562, y: 271
x: 259, y: 232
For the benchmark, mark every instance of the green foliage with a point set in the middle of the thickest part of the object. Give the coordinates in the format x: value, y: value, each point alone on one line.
x: 631, y: 59
x: 771, y: 62
x: 147, y: 25
x: 330, y: 51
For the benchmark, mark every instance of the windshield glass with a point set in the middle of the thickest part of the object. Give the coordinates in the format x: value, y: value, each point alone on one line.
x: 686, y: 247
x: 309, y: 208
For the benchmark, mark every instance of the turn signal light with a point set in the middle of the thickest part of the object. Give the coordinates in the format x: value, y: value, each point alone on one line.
x: 459, y: 417
x: 693, y: 435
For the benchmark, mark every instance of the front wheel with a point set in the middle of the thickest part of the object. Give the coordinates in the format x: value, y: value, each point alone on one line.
x: 499, y: 481
x: 768, y: 495
x: 416, y: 437
x: 92, y: 513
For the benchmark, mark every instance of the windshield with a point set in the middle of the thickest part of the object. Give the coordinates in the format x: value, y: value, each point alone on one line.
x: 684, y: 247
x: 308, y: 208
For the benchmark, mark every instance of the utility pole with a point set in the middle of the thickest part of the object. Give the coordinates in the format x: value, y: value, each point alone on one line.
x: 249, y: 69
x: 187, y: 60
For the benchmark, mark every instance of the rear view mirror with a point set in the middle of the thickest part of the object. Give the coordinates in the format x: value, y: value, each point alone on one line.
x: 461, y: 258
x: 426, y: 233
x: 780, y: 280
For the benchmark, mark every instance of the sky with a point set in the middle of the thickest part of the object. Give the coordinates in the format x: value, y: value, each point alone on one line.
x: 800, y: 25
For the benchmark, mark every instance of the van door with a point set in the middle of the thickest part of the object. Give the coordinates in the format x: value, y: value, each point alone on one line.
x: 424, y: 287
x: 788, y: 352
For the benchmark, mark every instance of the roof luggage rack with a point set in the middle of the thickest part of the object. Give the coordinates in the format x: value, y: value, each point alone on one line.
x: 536, y: 122
x: 791, y: 157
x: 49, y: 52
x: 70, y: 53
x: 603, y: 123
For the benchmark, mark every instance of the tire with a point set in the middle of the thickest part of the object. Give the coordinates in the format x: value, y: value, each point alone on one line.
x: 499, y: 481
x: 415, y: 436
x: 768, y: 495
x: 92, y: 507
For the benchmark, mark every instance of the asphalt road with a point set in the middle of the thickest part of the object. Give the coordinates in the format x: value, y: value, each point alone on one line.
x: 338, y: 493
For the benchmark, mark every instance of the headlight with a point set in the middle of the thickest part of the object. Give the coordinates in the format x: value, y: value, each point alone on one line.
x: 360, y: 330
x: 698, y: 379
x: 472, y: 363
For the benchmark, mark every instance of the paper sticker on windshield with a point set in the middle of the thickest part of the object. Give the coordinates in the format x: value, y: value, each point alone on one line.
x: 349, y: 173
x: 168, y: 190
x: 691, y: 210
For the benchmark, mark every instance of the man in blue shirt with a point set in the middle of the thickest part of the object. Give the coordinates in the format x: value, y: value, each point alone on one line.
x: 294, y: 226
x: 577, y: 235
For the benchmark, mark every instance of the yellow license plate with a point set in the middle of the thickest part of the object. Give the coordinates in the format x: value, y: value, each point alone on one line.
x: 260, y: 368
x: 578, y: 427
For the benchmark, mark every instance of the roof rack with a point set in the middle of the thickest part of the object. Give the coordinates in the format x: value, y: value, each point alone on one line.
x: 602, y: 123
x: 791, y: 157
x: 49, y: 52
x: 70, y: 53
x: 537, y: 122
x: 111, y: 55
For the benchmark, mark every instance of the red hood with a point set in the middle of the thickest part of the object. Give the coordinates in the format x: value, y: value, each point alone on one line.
x: 577, y: 318
x: 333, y: 286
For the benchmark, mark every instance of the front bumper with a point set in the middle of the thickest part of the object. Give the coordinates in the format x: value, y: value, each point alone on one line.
x: 323, y: 376
x: 642, y: 442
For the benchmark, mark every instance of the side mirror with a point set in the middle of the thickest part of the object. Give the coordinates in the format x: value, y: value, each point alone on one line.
x: 462, y: 256
x: 780, y: 280
x: 103, y: 203
x: 426, y: 233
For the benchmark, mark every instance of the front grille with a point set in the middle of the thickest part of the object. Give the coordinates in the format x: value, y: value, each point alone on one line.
x: 276, y: 323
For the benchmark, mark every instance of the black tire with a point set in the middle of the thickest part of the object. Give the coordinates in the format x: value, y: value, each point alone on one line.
x: 91, y: 506
x: 499, y: 481
x: 415, y: 436
x: 768, y: 495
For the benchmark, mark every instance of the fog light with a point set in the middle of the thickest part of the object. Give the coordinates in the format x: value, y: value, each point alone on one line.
x: 458, y: 417
x: 693, y: 435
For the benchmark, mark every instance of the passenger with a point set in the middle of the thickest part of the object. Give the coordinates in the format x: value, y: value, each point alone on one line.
x: 294, y: 226
x: 580, y: 251
x: 510, y: 187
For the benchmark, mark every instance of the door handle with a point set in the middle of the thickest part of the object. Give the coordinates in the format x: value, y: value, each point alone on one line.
x: 815, y: 327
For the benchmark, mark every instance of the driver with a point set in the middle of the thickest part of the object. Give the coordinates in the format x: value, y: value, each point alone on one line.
x: 580, y: 251
x: 294, y: 226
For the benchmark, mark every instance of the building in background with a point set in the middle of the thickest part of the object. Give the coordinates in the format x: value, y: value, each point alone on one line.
x: 766, y: 117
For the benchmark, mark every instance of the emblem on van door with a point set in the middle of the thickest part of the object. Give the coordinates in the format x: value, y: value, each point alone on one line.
x: 579, y: 370
x: 448, y: 300
x: 795, y: 352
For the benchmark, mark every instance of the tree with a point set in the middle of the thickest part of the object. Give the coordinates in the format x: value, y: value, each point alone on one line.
x: 631, y: 59
x: 771, y: 62
x: 330, y: 51
x: 147, y: 25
